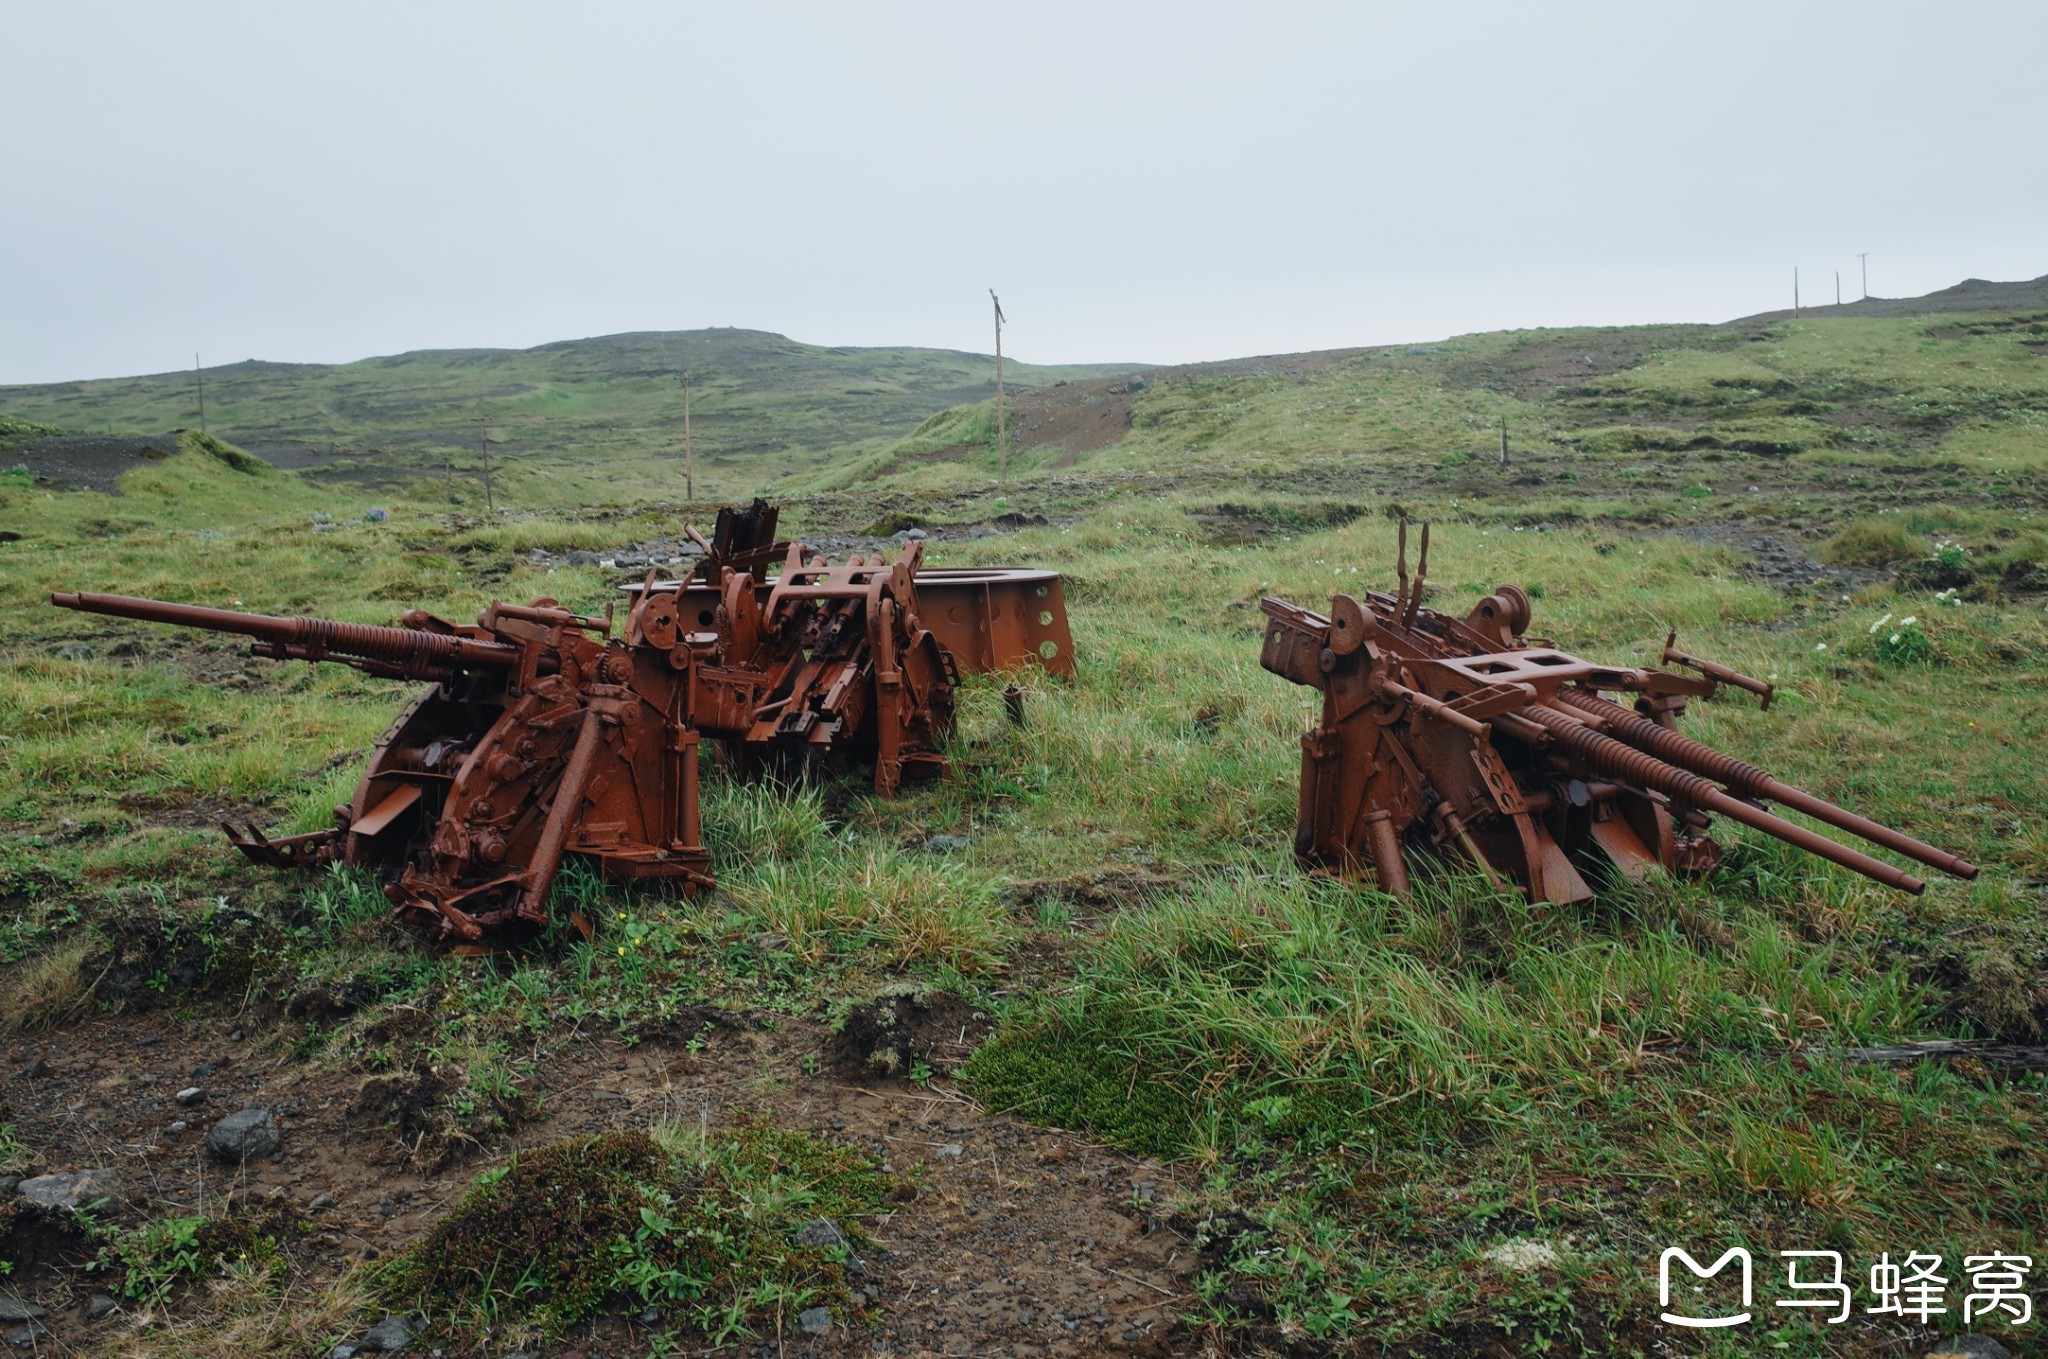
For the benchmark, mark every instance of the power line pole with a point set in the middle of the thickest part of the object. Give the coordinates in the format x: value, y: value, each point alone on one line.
x: 1864, y: 255
x: 1795, y: 290
x: 1002, y: 429
x: 689, y: 461
x: 1503, y: 441
x: 1838, y: 287
x: 200, y: 379
x: 483, y: 440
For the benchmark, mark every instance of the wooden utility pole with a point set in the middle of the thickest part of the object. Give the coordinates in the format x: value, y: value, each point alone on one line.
x: 199, y: 378
x: 1795, y: 290
x: 1838, y: 287
x: 1864, y: 256
x: 689, y: 461
x: 1503, y: 441
x: 1002, y: 430
x: 483, y: 439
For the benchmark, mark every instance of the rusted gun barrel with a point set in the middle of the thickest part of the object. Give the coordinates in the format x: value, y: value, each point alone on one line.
x: 406, y: 652
x: 1624, y: 761
x: 1746, y: 780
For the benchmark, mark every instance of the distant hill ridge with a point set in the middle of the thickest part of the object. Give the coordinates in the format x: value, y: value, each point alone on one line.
x: 1972, y: 294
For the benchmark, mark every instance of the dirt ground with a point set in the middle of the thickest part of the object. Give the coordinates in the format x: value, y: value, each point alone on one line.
x: 1019, y: 1240
x: 88, y: 461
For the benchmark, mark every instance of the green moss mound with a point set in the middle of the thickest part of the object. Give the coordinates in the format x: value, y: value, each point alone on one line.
x: 703, y: 1222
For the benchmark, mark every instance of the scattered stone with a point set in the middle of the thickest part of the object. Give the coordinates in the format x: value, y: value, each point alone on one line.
x: 203, y: 1070
x: 18, y: 1309
x: 388, y: 1335
x: 824, y: 1234
x: 377, y: 514
x: 71, y: 1189
x: 26, y: 1335
x: 150, y: 1041
x: 235, y: 1037
x: 73, y: 651
x: 190, y: 1096
x: 768, y: 943
x: 245, y: 1136
x: 814, y: 1320
x: 1968, y: 1347
x: 915, y: 535
x: 99, y: 1307
x: 35, y: 1070
x: 1520, y: 1256
x: 651, y: 1317
x: 1145, y: 1191
x: 178, y: 1125
x: 951, y: 1150
x: 342, y: 1351
x: 946, y: 844
x: 322, y: 1202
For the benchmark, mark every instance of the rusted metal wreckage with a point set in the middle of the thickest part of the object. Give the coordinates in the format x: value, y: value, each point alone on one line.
x: 544, y: 735
x: 1470, y: 739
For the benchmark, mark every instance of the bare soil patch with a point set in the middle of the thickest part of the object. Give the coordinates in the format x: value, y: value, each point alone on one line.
x: 1018, y: 1240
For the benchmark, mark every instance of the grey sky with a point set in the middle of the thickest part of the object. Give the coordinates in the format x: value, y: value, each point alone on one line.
x: 1142, y: 182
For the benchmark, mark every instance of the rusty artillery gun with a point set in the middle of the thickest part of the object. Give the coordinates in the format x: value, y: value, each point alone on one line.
x: 1467, y: 738
x: 544, y: 735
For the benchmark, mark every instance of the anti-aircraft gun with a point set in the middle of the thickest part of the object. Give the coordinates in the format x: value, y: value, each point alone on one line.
x: 1468, y: 738
x: 542, y: 734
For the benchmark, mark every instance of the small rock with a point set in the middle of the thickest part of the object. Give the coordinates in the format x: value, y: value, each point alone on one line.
x: 1520, y: 1256
x: 915, y: 535
x: 190, y: 1096
x: 99, y: 1307
x: 177, y: 1125
x: 824, y: 1234
x: 580, y: 557
x: 150, y: 1041
x: 377, y: 514
x: 342, y: 1351
x: 26, y: 1335
x: 322, y: 1202
x: 814, y: 1320
x: 651, y: 1317
x: 204, y: 1069
x: 72, y: 651
x: 245, y: 1136
x: 71, y: 1189
x: 18, y: 1309
x: 768, y: 943
x: 1968, y: 1347
x: 35, y: 1070
x: 387, y: 1335
x: 946, y: 844
x: 235, y: 1037
x: 951, y: 1150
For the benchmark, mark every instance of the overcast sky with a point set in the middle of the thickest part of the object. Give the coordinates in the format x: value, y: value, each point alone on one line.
x: 310, y: 181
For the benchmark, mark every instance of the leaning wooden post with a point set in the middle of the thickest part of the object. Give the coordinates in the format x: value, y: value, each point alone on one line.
x: 1002, y: 432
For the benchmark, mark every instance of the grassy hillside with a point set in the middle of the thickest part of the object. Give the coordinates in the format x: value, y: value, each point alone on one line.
x: 574, y: 422
x: 1678, y: 420
x: 1366, y: 1116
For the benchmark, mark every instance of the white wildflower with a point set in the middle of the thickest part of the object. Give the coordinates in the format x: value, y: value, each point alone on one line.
x: 1820, y: 646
